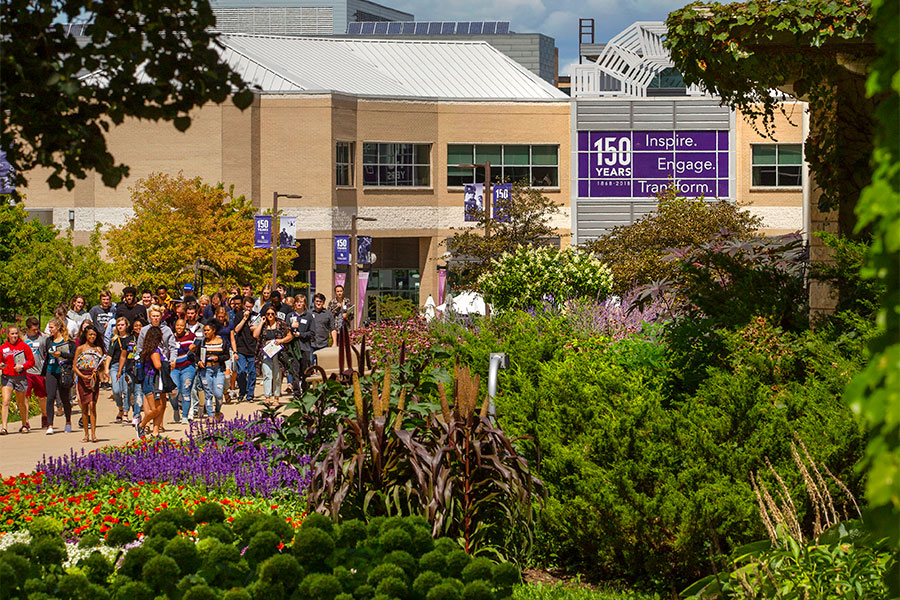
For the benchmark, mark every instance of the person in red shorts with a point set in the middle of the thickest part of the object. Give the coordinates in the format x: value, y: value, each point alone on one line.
x: 16, y: 358
x: 37, y: 341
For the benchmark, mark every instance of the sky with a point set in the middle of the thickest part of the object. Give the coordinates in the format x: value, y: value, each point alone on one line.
x: 555, y: 18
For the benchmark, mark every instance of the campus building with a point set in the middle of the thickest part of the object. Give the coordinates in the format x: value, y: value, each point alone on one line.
x: 356, y: 127
x: 299, y: 17
x: 636, y: 127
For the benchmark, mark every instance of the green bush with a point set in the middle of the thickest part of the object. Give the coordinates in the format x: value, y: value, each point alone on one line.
x: 392, y: 587
x: 313, y: 547
x: 645, y: 473
x: 635, y: 253
x: 209, y: 512
x: 119, y: 535
x: 185, y: 554
x: 45, y: 527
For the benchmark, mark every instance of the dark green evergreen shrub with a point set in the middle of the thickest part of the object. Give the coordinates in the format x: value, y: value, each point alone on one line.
x: 318, y: 521
x: 477, y: 590
x: 133, y: 564
x: 320, y: 586
x: 242, y: 524
x: 216, y: 530
x: 91, y: 540
x: 445, y: 545
x: 392, y: 587
x: 157, y: 543
x: 344, y: 596
x: 283, y: 569
x: 11, y: 580
x: 138, y: 590
x: 384, y: 571
x: 96, y: 568
x: 505, y: 575
x: 119, y: 535
x: 404, y: 560
x: 422, y: 541
x: 313, y: 547
x: 209, y: 512
x: 352, y: 532
x: 176, y: 516
x: 457, y: 560
x: 23, y: 550
x: 236, y: 594
x: 200, y: 592
x: 161, y: 573
x: 433, y: 561
x: 185, y: 554
x: 272, y: 523
x: 163, y: 529
x: 350, y: 580
x: 478, y: 568
x: 48, y: 551
x: 395, y: 538
x: 363, y: 592
x: 263, y: 545
x: 45, y: 527
x: 446, y: 590
x: 424, y: 582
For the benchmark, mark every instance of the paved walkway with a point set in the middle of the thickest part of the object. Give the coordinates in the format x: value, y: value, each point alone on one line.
x: 20, y: 452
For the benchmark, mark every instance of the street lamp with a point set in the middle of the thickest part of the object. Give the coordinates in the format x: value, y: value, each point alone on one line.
x: 353, y: 267
x: 275, y: 197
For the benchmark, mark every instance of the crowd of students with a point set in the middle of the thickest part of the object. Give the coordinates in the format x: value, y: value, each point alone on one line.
x: 153, y: 351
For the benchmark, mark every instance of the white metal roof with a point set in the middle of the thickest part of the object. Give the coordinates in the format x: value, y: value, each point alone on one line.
x: 383, y: 68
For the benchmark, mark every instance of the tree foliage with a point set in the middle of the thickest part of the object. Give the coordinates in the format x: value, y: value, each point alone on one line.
x: 155, y: 59
x: 875, y: 393
x: 528, y: 224
x: 636, y: 252
x: 39, y: 269
x: 178, y: 220
x: 815, y: 50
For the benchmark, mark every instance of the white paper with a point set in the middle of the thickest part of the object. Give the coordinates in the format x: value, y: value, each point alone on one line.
x: 19, y: 358
x: 203, y: 355
x: 271, y: 349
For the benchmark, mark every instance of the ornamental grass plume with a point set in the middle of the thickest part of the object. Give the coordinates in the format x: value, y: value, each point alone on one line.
x: 218, y: 456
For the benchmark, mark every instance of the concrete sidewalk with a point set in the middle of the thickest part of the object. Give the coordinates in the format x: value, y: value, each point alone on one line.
x: 20, y: 452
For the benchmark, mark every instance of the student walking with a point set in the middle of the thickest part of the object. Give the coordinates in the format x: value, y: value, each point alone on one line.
x: 244, y: 343
x: 184, y: 372
x: 17, y: 358
x: 58, y: 372
x: 37, y: 341
x: 114, y: 365
x: 271, y: 334
x: 87, y: 365
x: 214, y: 356
x: 154, y: 358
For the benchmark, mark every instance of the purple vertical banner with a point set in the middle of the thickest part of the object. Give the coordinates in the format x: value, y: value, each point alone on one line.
x: 363, y: 286
x: 442, y: 285
x: 7, y: 175
x: 502, y: 193
x: 364, y: 249
x: 342, y: 249
x: 340, y: 278
x: 262, y: 237
x: 473, y: 200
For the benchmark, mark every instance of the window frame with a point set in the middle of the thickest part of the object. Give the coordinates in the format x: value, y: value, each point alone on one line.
x: 503, y: 166
x: 351, y: 165
x: 413, y: 165
x: 777, y: 165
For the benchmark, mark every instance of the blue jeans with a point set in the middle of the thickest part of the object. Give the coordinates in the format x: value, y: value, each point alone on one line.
x: 132, y: 395
x: 213, y: 388
x: 118, y: 384
x: 246, y: 375
x: 184, y: 379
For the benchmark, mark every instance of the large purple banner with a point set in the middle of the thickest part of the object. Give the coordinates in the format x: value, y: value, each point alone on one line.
x: 638, y: 164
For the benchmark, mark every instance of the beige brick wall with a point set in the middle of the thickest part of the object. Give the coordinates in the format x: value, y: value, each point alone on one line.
x: 778, y: 206
x: 287, y: 144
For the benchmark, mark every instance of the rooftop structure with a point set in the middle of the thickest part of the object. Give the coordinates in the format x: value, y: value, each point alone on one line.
x: 299, y: 17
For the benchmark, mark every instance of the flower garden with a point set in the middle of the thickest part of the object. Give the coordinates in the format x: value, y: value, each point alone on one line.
x: 687, y: 439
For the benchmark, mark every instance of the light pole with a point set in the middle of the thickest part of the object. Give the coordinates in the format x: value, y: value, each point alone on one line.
x: 354, y: 278
x: 275, y: 240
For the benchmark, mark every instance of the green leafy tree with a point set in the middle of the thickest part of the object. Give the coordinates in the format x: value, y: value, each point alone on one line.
x: 155, y: 59
x: 39, y: 269
x: 178, y: 220
x: 527, y: 224
x: 529, y: 276
x: 636, y: 252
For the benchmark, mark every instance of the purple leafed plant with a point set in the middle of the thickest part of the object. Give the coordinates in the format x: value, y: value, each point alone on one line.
x: 219, y: 456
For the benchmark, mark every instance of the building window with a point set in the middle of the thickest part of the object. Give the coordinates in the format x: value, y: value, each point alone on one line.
x: 777, y: 165
x: 537, y: 165
x: 343, y: 164
x: 396, y: 164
